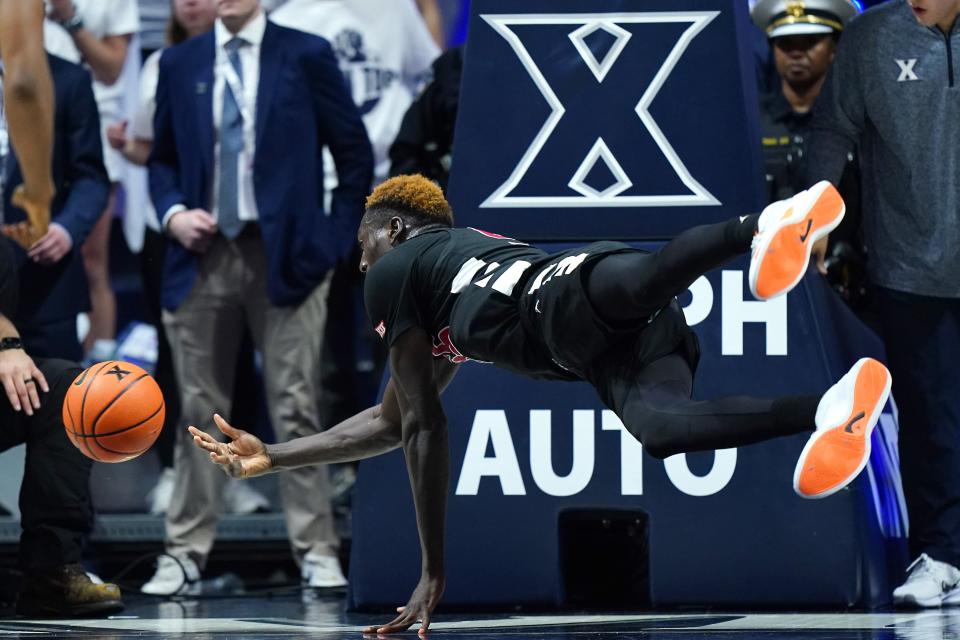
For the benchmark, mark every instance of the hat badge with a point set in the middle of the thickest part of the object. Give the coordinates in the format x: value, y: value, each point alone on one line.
x: 796, y: 8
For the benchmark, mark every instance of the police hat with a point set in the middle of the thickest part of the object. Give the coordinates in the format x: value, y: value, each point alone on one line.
x: 795, y: 17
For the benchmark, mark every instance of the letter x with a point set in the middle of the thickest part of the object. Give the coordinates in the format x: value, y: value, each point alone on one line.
x: 906, y: 70
x: 576, y: 27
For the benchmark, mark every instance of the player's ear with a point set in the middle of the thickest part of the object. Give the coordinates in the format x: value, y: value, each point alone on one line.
x: 396, y: 229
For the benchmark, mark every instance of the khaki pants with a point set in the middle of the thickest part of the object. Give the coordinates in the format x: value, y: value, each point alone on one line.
x: 205, y: 334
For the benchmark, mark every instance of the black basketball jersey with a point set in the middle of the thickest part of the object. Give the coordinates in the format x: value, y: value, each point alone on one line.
x: 484, y: 297
x: 461, y: 286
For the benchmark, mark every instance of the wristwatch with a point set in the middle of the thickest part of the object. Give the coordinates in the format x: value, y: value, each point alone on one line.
x: 75, y: 23
x: 10, y: 343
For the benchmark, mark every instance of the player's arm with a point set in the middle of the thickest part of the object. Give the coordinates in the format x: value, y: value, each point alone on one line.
x: 28, y: 103
x: 424, y: 434
x: 105, y: 56
x: 371, y: 432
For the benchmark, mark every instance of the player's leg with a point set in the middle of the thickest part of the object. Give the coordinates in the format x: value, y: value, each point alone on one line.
x: 625, y: 287
x: 103, y: 303
x: 630, y: 286
x: 655, y: 406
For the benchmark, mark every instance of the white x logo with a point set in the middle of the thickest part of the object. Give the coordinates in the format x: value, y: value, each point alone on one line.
x: 906, y: 70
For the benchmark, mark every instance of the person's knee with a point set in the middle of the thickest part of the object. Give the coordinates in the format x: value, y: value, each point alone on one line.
x: 57, y: 371
x: 657, y: 432
x: 658, y: 443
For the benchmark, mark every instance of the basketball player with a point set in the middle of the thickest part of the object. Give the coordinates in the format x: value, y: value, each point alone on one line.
x: 604, y: 313
x: 28, y: 114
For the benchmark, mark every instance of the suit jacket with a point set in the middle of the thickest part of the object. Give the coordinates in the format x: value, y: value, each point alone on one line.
x: 59, y: 291
x: 303, y: 104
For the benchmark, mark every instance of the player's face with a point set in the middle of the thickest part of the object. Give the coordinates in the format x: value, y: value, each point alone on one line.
x: 376, y: 241
x: 931, y: 13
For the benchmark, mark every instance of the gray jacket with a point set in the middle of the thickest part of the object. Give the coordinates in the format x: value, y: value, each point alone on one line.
x: 895, y: 89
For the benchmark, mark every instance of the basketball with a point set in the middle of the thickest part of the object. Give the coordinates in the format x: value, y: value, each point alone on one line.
x: 113, y: 411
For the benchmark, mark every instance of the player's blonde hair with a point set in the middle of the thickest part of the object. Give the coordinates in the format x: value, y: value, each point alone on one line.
x: 413, y: 195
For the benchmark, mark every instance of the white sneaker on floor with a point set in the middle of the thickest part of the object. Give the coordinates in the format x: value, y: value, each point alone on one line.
x: 322, y: 572
x: 930, y: 583
x: 240, y: 498
x: 158, y: 498
x: 174, y: 576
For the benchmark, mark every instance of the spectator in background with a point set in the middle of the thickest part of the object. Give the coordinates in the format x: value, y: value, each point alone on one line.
x: 56, y: 512
x: 430, y: 11
x: 424, y: 143
x: 28, y: 103
x: 252, y: 247
x: 189, y: 18
x: 52, y: 281
x: 892, y: 92
x: 101, y: 30
x: 155, y: 17
x: 384, y: 50
x: 803, y: 38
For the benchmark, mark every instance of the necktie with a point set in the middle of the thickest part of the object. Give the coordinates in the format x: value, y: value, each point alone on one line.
x: 231, y: 144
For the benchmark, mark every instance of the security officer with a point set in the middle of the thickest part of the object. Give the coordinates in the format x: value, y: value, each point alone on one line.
x: 803, y: 35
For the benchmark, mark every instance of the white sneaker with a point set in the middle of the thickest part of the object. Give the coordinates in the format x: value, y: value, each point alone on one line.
x: 322, y: 572
x: 929, y: 584
x: 786, y: 234
x: 839, y: 449
x: 240, y: 498
x: 158, y: 498
x: 174, y: 576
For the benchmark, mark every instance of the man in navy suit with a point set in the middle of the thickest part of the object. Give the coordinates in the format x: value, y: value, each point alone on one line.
x: 236, y: 174
x: 53, y: 285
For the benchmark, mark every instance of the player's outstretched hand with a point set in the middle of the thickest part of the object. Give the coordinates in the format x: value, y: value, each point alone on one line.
x: 244, y: 456
x: 424, y: 599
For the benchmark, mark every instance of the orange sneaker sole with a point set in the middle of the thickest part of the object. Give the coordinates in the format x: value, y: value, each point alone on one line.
x: 783, y: 255
x: 834, y: 456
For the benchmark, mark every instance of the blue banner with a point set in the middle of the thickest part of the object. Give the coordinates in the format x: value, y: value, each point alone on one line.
x: 624, y: 118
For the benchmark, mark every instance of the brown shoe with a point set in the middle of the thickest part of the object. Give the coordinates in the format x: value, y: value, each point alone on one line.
x: 66, y: 591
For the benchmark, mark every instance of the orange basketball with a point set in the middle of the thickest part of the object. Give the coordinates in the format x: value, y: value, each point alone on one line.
x: 113, y: 411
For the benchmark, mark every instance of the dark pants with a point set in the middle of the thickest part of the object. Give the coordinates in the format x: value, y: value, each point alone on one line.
x: 55, y: 508
x: 922, y: 337
x: 654, y: 401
